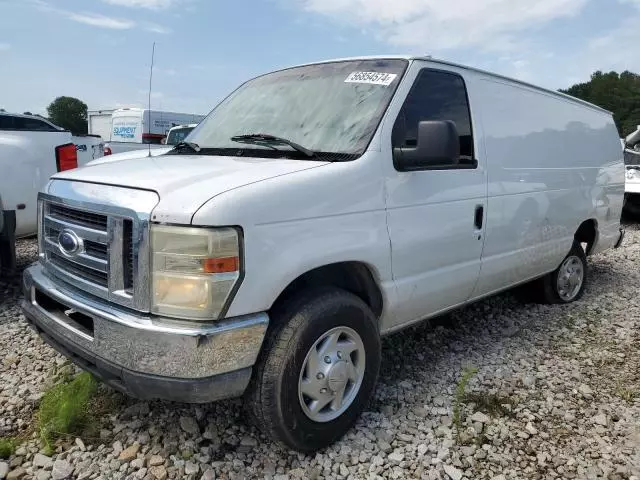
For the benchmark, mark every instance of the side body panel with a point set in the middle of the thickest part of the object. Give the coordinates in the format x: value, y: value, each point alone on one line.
x: 552, y: 164
x: 295, y: 223
x: 435, y: 244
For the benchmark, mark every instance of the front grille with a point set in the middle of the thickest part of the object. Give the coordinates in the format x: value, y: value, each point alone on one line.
x: 78, y: 217
x: 96, y: 249
x: 86, y: 273
x: 103, y: 264
x: 127, y: 254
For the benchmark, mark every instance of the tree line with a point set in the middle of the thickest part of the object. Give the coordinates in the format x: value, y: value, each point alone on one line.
x: 616, y: 92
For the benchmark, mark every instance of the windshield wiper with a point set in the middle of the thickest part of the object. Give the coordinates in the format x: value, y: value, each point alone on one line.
x: 186, y: 145
x: 258, y: 138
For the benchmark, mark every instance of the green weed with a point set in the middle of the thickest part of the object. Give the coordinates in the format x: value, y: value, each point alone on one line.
x: 8, y: 446
x: 64, y: 409
x: 461, y: 389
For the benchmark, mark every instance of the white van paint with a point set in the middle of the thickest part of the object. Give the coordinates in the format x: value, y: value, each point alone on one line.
x: 503, y: 185
x: 131, y: 154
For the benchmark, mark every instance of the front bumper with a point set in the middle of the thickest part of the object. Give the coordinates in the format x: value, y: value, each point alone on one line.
x: 144, y: 356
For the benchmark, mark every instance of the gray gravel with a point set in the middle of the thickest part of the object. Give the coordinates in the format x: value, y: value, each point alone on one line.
x: 556, y: 395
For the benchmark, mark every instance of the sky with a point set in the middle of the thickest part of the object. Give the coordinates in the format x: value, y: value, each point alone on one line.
x: 100, y: 50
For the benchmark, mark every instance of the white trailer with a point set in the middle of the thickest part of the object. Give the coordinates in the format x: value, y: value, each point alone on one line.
x: 99, y: 123
x: 138, y: 125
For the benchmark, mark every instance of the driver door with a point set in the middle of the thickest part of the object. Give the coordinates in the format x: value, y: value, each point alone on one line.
x: 436, y: 216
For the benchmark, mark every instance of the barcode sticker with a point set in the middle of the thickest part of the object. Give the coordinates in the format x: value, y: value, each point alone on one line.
x: 374, y: 78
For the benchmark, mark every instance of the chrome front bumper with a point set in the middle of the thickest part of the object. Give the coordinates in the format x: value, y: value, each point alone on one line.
x: 144, y: 356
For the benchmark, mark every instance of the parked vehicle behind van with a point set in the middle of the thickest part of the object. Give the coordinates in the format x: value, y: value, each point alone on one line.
x: 314, y: 210
x: 31, y: 150
x: 137, y: 128
x: 177, y: 134
x: 632, y: 165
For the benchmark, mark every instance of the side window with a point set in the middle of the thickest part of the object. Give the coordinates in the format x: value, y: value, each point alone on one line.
x: 32, y: 124
x: 435, y: 95
x: 6, y: 122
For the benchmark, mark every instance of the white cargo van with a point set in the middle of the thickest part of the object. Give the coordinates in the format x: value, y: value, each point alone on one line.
x: 315, y: 209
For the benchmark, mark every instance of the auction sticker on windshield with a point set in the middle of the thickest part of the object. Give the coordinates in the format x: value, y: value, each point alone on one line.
x: 375, y: 78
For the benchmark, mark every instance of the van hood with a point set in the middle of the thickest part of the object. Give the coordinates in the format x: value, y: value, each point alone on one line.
x: 117, y: 157
x: 186, y: 182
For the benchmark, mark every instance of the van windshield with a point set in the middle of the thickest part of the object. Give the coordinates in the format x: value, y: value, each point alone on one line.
x: 331, y: 108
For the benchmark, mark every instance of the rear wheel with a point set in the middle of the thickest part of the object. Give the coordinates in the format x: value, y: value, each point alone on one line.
x: 317, y: 370
x: 566, y: 284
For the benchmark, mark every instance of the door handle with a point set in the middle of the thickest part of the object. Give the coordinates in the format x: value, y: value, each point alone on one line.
x: 479, y: 217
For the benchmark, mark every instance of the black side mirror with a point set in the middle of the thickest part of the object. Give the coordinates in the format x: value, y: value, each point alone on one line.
x: 438, y: 146
x: 632, y: 139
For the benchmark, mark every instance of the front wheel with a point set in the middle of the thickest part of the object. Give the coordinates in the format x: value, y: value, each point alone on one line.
x: 566, y: 284
x: 317, y: 370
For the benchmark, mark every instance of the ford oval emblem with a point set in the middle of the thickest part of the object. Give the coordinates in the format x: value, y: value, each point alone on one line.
x: 69, y: 242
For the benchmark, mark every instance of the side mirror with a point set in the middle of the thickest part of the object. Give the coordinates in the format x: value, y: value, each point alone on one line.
x: 438, y: 146
x: 163, y: 141
x: 632, y: 139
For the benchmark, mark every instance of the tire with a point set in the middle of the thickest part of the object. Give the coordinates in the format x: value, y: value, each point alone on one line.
x: 551, y: 289
x: 274, y: 397
x: 632, y: 205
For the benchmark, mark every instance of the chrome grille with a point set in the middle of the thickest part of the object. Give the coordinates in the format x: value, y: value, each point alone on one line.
x: 110, y: 244
x: 79, y: 270
x: 78, y: 217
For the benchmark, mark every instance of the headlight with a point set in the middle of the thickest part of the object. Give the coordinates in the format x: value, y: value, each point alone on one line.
x: 631, y: 173
x: 194, y: 270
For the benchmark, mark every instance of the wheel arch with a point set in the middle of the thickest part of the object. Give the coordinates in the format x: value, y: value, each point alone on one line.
x: 353, y: 276
x: 587, y: 233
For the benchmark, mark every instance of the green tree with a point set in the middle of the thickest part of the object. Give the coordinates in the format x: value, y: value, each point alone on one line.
x: 619, y: 93
x: 69, y: 113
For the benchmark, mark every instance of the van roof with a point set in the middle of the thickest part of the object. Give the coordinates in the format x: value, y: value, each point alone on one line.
x: 428, y: 58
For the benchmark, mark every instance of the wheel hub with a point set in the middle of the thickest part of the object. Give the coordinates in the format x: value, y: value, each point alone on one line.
x: 337, y: 377
x: 570, y: 278
x: 331, y: 374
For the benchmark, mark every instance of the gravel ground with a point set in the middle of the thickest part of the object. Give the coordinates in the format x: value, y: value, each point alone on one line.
x: 556, y: 395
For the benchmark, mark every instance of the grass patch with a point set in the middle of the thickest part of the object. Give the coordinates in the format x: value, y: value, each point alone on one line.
x: 461, y: 391
x: 490, y: 404
x: 8, y: 447
x: 627, y: 394
x: 64, y: 409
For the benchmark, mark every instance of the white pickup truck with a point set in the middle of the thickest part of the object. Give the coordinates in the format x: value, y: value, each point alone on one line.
x: 314, y: 210
x: 31, y: 150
